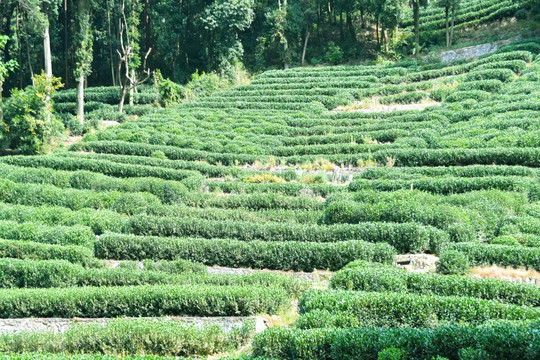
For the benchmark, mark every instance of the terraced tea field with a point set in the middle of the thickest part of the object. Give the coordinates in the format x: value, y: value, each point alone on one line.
x: 154, y: 221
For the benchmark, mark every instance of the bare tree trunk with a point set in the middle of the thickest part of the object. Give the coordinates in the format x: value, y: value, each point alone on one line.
x: 341, y: 35
x: 386, y: 39
x: 28, y: 52
x: 48, y: 62
x: 47, y: 52
x: 132, y: 89
x: 416, y: 13
x: 122, y: 99
x: 350, y: 26
x: 66, y: 63
x: 447, y: 29
x: 19, y: 46
x: 305, y: 45
x: 377, y: 30
x: 453, y: 20
x: 1, y: 102
x: 80, y: 98
x: 113, y: 76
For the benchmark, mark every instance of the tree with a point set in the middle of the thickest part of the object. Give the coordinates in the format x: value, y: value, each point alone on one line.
x: 5, y: 68
x: 279, y: 18
x: 83, y: 53
x: 128, y: 53
x: 416, y: 14
x: 449, y: 6
x: 28, y: 126
x: 223, y: 20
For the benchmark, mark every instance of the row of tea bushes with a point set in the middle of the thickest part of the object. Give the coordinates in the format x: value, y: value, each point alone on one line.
x: 362, y: 276
x: 290, y: 255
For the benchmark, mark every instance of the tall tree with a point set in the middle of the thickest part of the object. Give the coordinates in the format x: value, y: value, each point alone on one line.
x: 416, y: 4
x: 449, y: 7
x: 83, y: 53
x: 224, y: 19
x: 5, y: 68
x: 130, y: 59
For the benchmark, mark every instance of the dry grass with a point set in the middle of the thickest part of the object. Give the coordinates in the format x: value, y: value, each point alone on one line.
x: 284, y: 317
x: 497, y: 272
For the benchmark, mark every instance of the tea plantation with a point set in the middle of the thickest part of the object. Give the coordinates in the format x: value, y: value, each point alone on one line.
x: 335, y: 169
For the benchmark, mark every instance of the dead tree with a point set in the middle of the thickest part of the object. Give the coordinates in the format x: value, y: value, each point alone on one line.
x: 130, y: 79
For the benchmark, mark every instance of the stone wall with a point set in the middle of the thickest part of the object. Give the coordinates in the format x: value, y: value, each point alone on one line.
x: 475, y: 51
x: 59, y: 325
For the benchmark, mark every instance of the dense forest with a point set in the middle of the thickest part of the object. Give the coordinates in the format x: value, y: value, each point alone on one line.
x: 89, y: 37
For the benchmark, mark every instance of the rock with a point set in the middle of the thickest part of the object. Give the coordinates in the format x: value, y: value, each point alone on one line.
x: 58, y: 325
x: 421, y: 263
x: 475, y: 51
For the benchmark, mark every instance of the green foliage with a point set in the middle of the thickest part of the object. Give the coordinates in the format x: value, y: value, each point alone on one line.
x: 28, y: 250
x: 391, y: 353
x: 334, y: 54
x: 130, y: 337
x: 452, y: 263
x: 141, y: 301
x: 504, y: 341
x: 501, y: 255
x: 28, y: 126
x: 388, y: 309
x: 361, y: 276
x: 297, y: 256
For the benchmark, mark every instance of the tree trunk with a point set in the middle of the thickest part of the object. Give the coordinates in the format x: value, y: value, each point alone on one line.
x: 109, y: 33
x: 48, y: 59
x: 305, y: 45
x: 416, y: 13
x: 83, y: 18
x: 132, y: 89
x: 285, y: 43
x: 377, y: 30
x: 386, y: 40
x: 1, y: 104
x: 28, y: 52
x: 453, y: 20
x: 447, y: 29
x: 350, y: 26
x: 19, y: 47
x: 122, y: 99
x: 341, y: 35
x: 80, y: 98
x: 47, y: 52
x: 66, y: 63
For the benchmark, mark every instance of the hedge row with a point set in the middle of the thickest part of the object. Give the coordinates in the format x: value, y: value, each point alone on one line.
x: 74, y: 199
x: 59, y: 273
x: 167, y: 191
x: 404, y: 237
x: 38, y: 251
x: 98, y: 221
x: 141, y: 301
x: 396, y: 310
x: 452, y: 184
x: 56, y: 235
x: 381, y: 278
x: 501, y: 255
x: 504, y: 341
x: 123, y: 337
x: 105, y: 167
x: 297, y: 256
x: 206, y: 169
x: 396, y: 173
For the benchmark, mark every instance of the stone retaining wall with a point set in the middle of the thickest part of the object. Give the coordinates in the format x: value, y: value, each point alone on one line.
x: 475, y: 51
x: 60, y: 325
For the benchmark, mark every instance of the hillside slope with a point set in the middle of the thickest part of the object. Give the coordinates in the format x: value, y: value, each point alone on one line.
x: 297, y: 171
